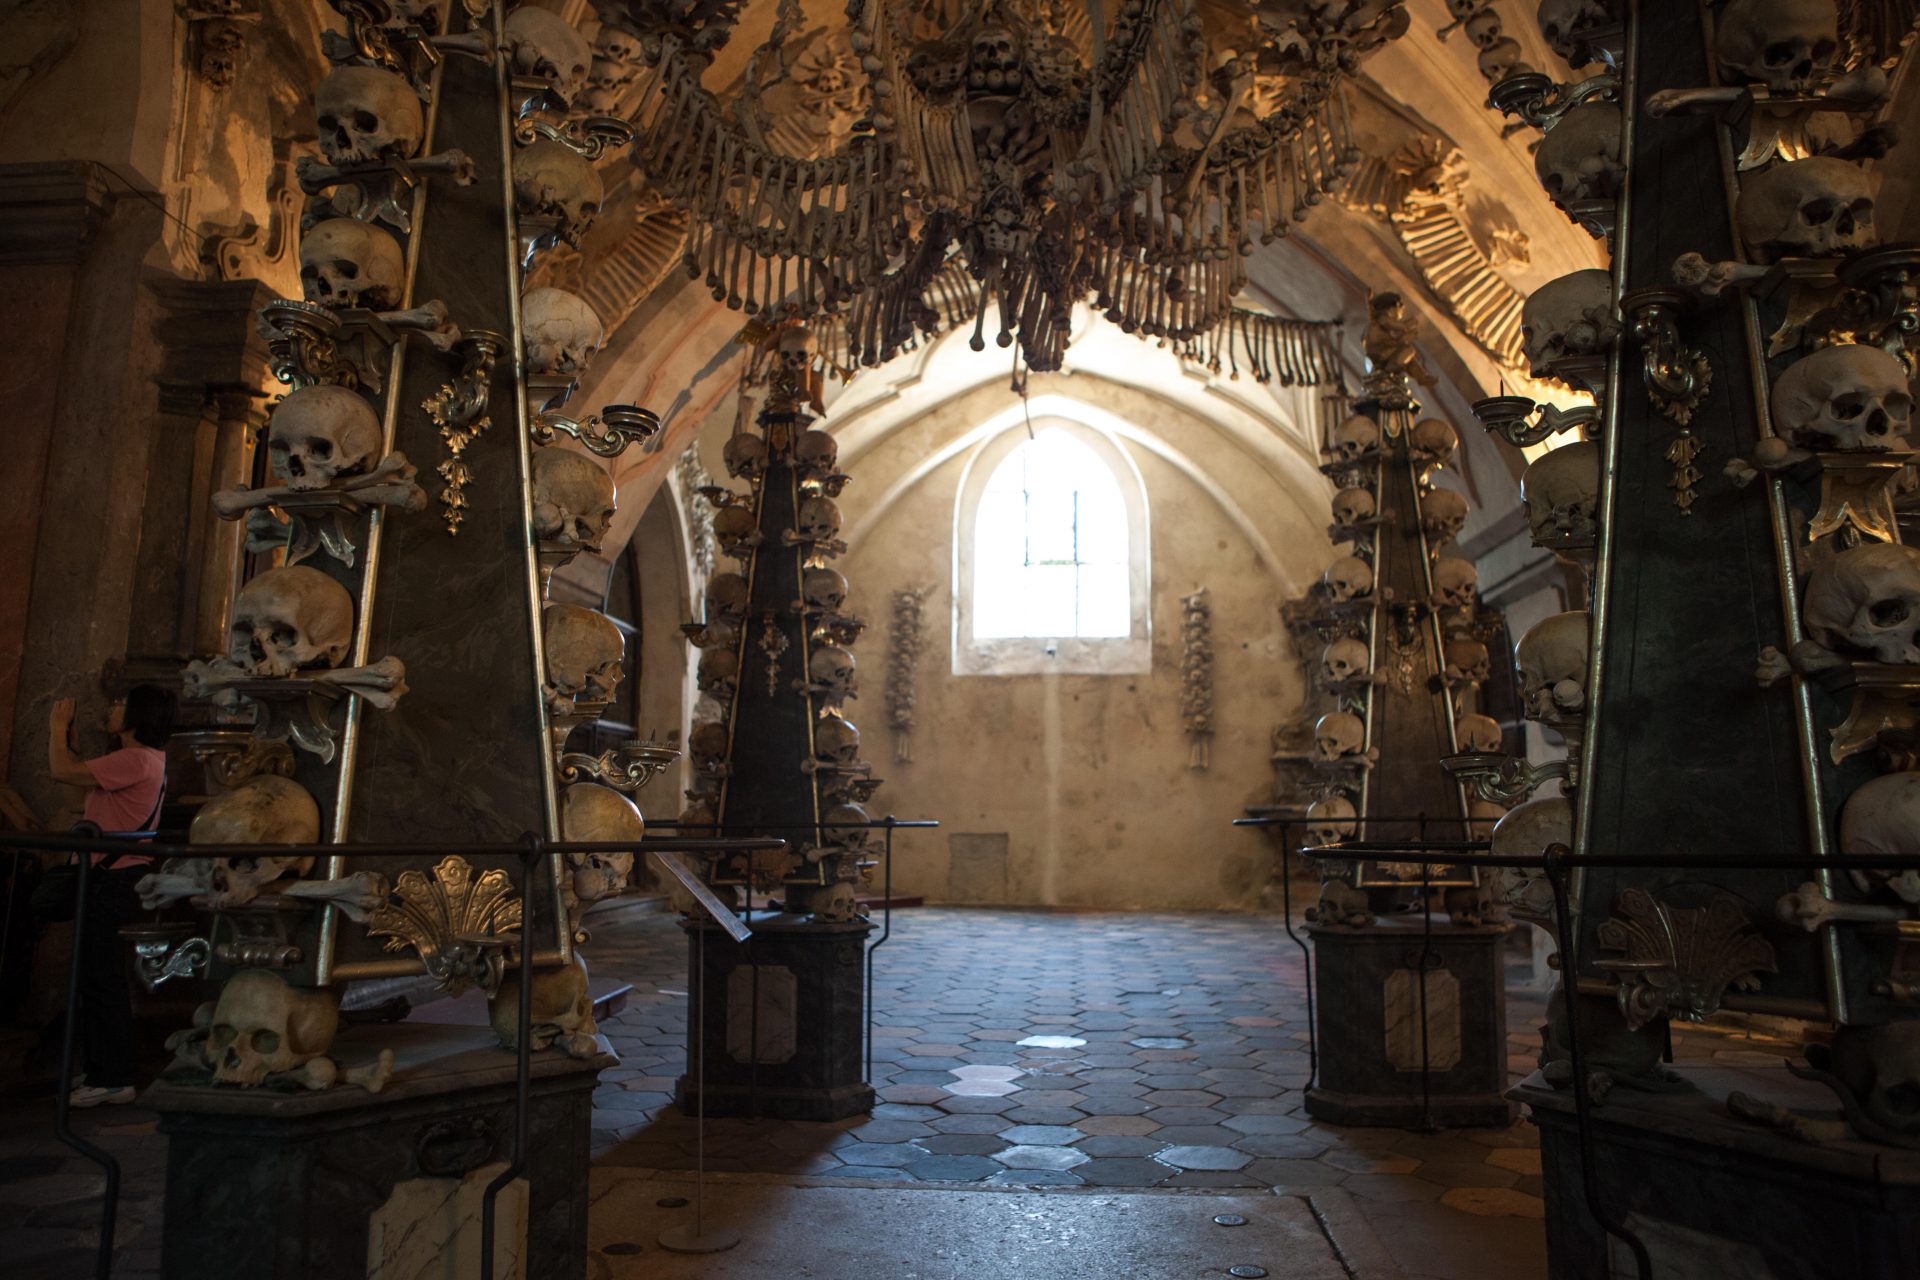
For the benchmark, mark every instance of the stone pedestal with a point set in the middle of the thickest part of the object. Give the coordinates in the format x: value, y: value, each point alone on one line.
x: 1712, y: 1195
x: 1367, y: 993
x: 780, y: 1019
x: 269, y: 1185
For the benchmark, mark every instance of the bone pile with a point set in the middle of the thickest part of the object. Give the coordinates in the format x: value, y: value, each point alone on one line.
x: 1196, y: 677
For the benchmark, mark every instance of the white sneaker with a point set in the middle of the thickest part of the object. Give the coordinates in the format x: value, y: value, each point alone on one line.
x: 95, y: 1096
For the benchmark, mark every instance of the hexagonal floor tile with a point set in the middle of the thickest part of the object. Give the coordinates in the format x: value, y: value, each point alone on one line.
x: 1123, y: 1173
x: 1117, y: 1126
x: 1220, y: 1159
x: 953, y: 1168
x: 1042, y: 1135
x: 1058, y: 1159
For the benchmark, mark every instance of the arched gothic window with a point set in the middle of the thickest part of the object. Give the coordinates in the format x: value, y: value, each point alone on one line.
x: 1051, y: 556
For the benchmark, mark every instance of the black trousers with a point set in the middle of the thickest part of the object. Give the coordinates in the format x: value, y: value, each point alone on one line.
x: 105, y: 1029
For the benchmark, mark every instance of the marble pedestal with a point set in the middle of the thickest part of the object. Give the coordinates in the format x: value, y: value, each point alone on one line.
x: 1367, y: 998
x: 1712, y: 1195
x: 780, y: 1019
x: 266, y: 1185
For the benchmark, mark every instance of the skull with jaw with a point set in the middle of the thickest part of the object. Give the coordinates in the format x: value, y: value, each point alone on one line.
x: 1351, y: 506
x: 345, y: 262
x: 727, y: 595
x: 1812, y: 208
x: 1561, y: 491
x: 543, y: 45
x: 1467, y: 661
x: 562, y: 331
x: 718, y: 674
x: 590, y: 812
x: 836, y: 741
x: 1479, y: 734
x: 1345, y: 659
x: 1867, y: 599
x: 1783, y: 44
x: 832, y: 667
x: 1579, y: 159
x: 1571, y: 315
x: 290, y: 620
x: 552, y: 179
x: 1331, y: 820
x: 1348, y: 578
x: 366, y: 114
x: 586, y: 653
x: 1552, y: 656
x: 745, y: 455
x: 1559, y: 19
x: 1844, y: 397
x: 573, y: 501
x: 819, y: 520
x: 1355, y: 437
x: 1337, y: 734
x: 262, y: 1027
x: 1456, y: 583
x: 1442, y: 513
x: 318, y: 435
x: 824, y: 589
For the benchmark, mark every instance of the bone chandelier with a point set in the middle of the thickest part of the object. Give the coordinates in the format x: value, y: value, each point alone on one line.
x: 1020, y: 153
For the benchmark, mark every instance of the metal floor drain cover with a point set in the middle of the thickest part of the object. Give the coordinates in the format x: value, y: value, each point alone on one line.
x: 1247, y: 1273
x: 1229, y: 1220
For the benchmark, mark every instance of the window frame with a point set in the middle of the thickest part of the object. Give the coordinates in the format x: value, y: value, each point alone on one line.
x: 1131, y: 654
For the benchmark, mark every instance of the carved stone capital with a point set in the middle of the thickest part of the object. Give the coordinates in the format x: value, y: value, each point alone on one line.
x: 208, y: 338
x: 50, y: 210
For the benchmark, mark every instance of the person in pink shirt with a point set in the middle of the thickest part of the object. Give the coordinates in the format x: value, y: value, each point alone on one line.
x: 125, y: 789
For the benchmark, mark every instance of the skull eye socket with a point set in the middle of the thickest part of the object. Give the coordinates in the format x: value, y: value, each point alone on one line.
x: 267, y: 1041
x: 1817, y: 213
x: 283, y: 637
x: 1823, y: 50
x: 223, y: 1036
x: 1848, y: 405
x: 328, y: 122
x: 1888, y: 613
x: 320, y: 448
x: 346, y: 269
x: 1781, y: 53
x: 365, y: 121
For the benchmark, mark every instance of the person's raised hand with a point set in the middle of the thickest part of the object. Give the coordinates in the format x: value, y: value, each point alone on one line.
x: 61, y: 717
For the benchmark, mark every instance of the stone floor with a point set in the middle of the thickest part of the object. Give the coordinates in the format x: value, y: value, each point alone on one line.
x: 1022, y: 1053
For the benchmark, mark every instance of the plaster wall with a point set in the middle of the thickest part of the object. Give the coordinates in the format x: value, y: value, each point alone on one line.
x: 1074, y: 790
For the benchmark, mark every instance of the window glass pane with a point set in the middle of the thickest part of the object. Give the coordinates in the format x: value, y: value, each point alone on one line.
x: 1051, y: 545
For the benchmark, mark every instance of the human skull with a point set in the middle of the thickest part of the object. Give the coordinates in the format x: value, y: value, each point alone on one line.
x: 345, y: 262
x: 290, y: 620
x: 1528, y: 831
x: 586, y: 652
x: 1355, y: 437
x: 590, y: 812
x: 1482, y: 27
x: 1337, y: 734
x: 1345, y: 659
x: 261, y: 1026
x: 622, y: 46
x: 1351, y: 506
x: 815, y: 454
x: 1561, y: 490
x: 707, y: 743
x: 1559, y: 19
x: 265, y: 809
x: 1844, y: 397
x: 1442, y: 513
x: 1552, y: 656
x: 796, y: 346
x: 1348, y: 578
x: 1812, y: 208
x: 1455, y: 583
x: 542, y: 44
x: 745, y: 455
x: 1467, y: 661
x: 573, y: 500
x: 366, y: 114
x: 1479, y: 734
x: 832, y: 666
x: 727, y: 596
x: 846, y: 836
x: 562, y: 331
x: 1482, y: 817
x: 317, y: 435
x: 824, y: 589
x: 836, y: 740
x: 995, y: 64
x: 1783, y: 44
x: 606, y: 77
x: 1882, y: 819
x: 1867, y: 598
x: 1571, y: 315
x: 1876, y: 1069
x: 819, y: 520
x: 1501, y: 57
x: 1330, y: 821
x: 1579, y: 159
x: 1432, y: 440
x: 734, y: 528
x: 551, y: 178
x: 718, y: 674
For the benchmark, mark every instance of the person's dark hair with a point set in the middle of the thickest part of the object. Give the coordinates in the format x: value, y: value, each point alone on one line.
x: 150, y: 714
